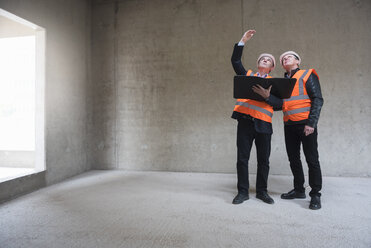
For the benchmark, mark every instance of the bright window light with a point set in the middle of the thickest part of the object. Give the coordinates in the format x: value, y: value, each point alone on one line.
x: 17, y: 93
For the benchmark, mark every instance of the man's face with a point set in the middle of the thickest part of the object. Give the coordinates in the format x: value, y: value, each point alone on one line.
x: 289, y: 60
x: 265, y: 62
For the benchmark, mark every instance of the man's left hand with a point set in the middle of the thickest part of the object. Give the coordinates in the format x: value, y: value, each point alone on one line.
x: 265, y: 93
x: 308, y: 130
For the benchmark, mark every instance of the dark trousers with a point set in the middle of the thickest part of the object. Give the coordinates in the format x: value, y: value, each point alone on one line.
x: 294, y: 137
x: 246, y: 134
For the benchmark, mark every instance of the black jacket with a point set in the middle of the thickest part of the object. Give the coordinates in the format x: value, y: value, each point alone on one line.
x: 260, y: 126
x: 314, y: 92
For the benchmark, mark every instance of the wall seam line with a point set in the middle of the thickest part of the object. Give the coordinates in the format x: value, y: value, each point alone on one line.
x: 115, y: 59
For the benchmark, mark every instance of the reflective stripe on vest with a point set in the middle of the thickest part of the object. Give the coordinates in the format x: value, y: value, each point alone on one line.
x: 296, y: 111
x: 247, y: 105
x: 257, y: 109
x: 297, y: 107
x: 301, y: 89
x: 293, y: 98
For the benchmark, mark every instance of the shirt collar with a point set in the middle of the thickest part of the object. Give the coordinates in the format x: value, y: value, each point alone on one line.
x: 292, y: 73
x: 264, y: 76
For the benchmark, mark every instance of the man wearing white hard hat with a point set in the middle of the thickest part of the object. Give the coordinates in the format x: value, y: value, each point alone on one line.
x: 301, y: 114
x: 254, y: 123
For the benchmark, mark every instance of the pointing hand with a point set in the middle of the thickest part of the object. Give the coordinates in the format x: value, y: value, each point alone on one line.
x: 247, y: 35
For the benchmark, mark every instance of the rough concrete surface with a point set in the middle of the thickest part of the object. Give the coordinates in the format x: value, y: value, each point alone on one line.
x: 162, y: 80
x: 164, y: 209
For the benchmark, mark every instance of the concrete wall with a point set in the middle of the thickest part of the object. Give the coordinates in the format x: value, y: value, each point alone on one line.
x: 67, y: 25
x: 162, y: 80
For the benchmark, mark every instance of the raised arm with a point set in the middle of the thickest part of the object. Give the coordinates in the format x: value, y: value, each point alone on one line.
x: 237, y: 53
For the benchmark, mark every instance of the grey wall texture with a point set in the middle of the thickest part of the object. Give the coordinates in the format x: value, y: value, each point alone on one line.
x: 161, y: 94
x: 67, y: 25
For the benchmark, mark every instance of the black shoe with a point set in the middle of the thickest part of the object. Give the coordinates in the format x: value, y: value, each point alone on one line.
x: 315, y: 203
x: 264, y: 197
x: 240, y: 198
x: 293, y: 194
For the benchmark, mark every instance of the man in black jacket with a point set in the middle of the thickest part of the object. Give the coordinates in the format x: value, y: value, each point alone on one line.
x: 254, y: 123
x: 301, y: 114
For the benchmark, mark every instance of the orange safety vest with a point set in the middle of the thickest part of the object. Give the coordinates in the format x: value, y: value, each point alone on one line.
x: 297, y: 107
x: 257, y: 109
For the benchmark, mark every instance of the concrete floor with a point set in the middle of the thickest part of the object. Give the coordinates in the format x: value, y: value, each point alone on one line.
x: 164, y: 209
